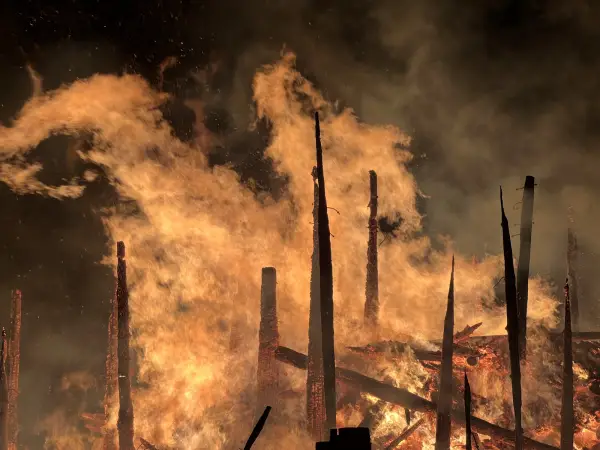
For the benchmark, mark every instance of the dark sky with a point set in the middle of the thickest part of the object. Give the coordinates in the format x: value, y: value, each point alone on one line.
x: 491, y: 91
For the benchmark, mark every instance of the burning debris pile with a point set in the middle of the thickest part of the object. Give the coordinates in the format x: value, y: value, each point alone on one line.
x: 209, y: 358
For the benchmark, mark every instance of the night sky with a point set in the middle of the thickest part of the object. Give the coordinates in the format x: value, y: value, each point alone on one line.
x: 490, y: 93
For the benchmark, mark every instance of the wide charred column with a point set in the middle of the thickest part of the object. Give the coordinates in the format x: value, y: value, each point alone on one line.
x: 572, y: 251
x: 3, y: 393
x: 568, y: 421
x: 112, y: 376
x: 372, y: 287
x: 326, y: 289
x: 512, y: 321
x: 444, y: 406
x: 268, y: 341
x: 524, y: 260
x: 125, y: 420
x: 14, y: 362
x: 315, y: 400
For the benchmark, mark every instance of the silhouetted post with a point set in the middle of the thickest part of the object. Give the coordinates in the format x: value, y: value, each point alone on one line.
x: 347, y: 438
x: 326, y: 289
x: 14, y: 362
x: 468, y: 413
x: 524, y: 260
x: 568, y: 422
x: 444, y: 406
x: 125, y: 420
x: 268, y: 341
x: 512, y: 320
x: 572, y: 250
x: 112, y: 375
x: 3, y: 394
x: 315, y: 401
x: 260, y: 424
x: 372, y: 287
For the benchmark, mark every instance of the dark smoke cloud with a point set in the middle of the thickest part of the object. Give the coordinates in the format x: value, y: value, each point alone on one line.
x: 490, y: 91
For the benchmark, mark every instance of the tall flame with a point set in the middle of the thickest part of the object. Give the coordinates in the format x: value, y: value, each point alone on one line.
x: 200, y: 238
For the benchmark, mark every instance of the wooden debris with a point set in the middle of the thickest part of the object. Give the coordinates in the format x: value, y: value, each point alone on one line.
x: 111, y: 390
x: 524, y: 260
x: 257, y: 428
x: 4, y: 438
x: 325, y: 289
x: 468, y: 413
x: 567, y: 413
x: 372, y: 285
x: 315, y: 401
x: 572, y: 251
x: 268, y: 341
x: 444, y: 406
x: 14, y: 362
x: 512, y: 320
x: 405, y: 434
x: 125, y: 420
x: 406, y: 399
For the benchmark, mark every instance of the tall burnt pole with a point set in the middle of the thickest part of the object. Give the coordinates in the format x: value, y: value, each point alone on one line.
x: 512, y: 321
x: 4, y: 438
x: 524, y: 260
x: 572, y: 251
x: 268, y: 341
x: 125, y: 420
x: 468, y: 412
x: 315, y: 401
x: 14, y: 362
x: 567, y: 427
x: 325, y: 289
x: 444, y: 406
x: 372, y: 287
x: 112, y: 375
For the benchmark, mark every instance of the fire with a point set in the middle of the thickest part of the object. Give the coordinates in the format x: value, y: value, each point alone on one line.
x: 198, y: 241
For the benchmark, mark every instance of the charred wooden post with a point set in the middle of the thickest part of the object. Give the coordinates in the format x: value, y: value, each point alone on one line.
x: 260, y: 424
x: 125, y: 420
x: 468, y: 413
x: 325, y: 289
x: 14, y: 358
x: 4, y: 438
x: 315, y: 401
x: 112, y: 376
x: 444, y: 406
x: 512, y: 320
x: 572, y: 251
x: 524, y: 260
x: 268, y: 341
x: 568, y: 421
x: 372, y: 287
x: 408, y: 400
x: 410, y: 429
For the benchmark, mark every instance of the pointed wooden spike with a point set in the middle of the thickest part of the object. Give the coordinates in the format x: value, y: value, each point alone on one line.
x: 512, y: 321
x: 568, y: 420
x: 444, y: 406
x: 326, y: 289
x: 468, y: 413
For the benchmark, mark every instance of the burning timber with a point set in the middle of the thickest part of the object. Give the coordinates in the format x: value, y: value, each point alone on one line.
x: 315, y: 401
x: 524, y: 260
x: 112, y: 376
x: 444, y: 407
x: 14, y: 358
x: 572, y: 250
x: 3, y: 393
x: 568, y: 421
x: 406, y: 399
x: 372, y: 286
x: 468, y: 431
x: 125, y: 420
x: 268, y: 341
x: 325, y: 289
x: 512, y: 320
